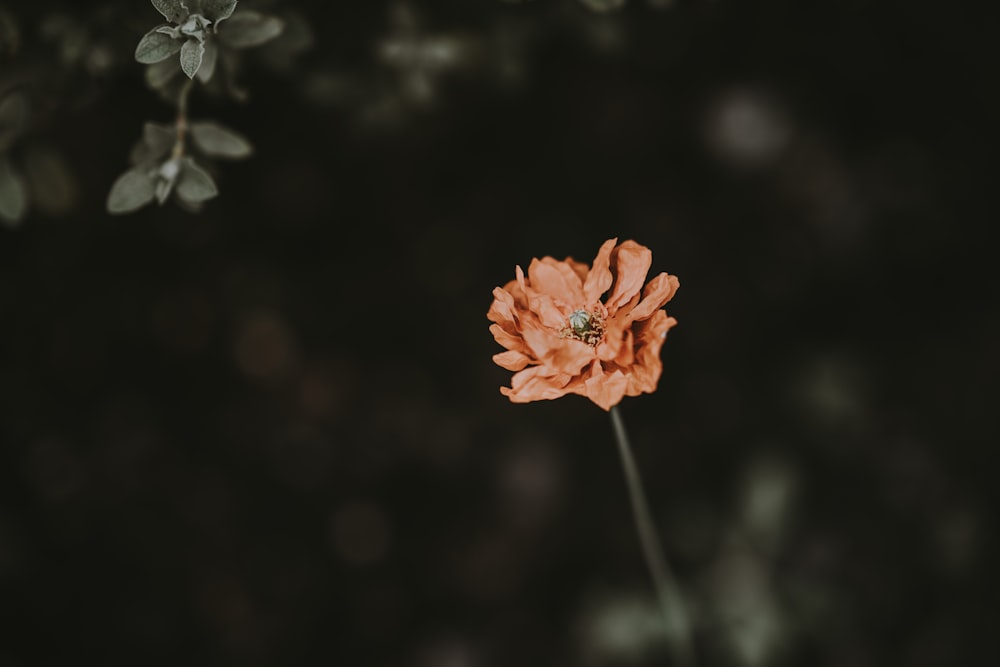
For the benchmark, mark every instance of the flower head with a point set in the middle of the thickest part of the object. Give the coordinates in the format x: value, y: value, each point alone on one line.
x: 572, y: 329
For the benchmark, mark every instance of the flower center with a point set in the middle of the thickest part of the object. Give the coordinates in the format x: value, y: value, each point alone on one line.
x: 584, y: 326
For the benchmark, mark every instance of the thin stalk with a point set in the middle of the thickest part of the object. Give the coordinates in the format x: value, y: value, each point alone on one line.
x: 182, y: 119
x: 675, y: 615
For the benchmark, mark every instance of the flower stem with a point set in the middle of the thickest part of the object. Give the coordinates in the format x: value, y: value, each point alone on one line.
x: 675, y: 616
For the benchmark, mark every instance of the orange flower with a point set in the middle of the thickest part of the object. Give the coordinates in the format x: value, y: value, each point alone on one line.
x: 573, y: 329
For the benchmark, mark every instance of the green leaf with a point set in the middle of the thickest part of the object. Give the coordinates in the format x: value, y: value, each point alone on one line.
x: 191, y: 56
x: 211, y: 56
x: 155, y: 46
x: 133, y: 190
x: 215, y: 140
x: 166, y: 179
x: 195, y: 185
x: 50, y: 180
x: 296, y: 37
x: 14, y: 113
x: 249, y: 28
x: 217, y: 10
x: 159, y: 138
x: 172, y: 31
x: 13, y: 194
x: 163, y: 190
x: 161, y: 73
x: 172, y: 10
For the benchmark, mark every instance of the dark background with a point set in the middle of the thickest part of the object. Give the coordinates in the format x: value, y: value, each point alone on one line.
x: 269, y: 433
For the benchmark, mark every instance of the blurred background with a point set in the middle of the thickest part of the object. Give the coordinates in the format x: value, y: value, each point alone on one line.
x: 270, y: 432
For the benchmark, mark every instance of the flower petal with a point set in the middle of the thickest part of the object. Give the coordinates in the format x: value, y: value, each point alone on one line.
x: 599, y: 279
x: 614, y: 337
x: 548, y: 310
x: 626, y: 351
x: 655, y: 295
x: 646, y: 371
x: 540, y: 340
x: 536, y: 383
x: 581, y: 269
x: 606, y: 389
x: 570, y: 357
x: 629, y: 262
x: 542, y: 305
x: 507, y: 339
x: 503, y: 311
x: 516, y: 290
x: 512, y: 360
x: 522, y: 283
x: 556, y: 279
x: 564, y: 355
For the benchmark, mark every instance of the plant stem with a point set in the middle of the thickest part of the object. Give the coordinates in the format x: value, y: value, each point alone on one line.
x: 675, y: 616
x: 182, y: 119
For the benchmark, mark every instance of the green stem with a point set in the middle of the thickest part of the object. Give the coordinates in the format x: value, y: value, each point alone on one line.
x: 675, y: 616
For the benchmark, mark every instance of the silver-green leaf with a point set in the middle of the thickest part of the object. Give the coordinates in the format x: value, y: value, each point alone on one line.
x: 53, y: 187
x: 249, y: 28
x: 195, y: 185
x: 191, y: 56
x: 215, y: 140
x: 160, y: 74
x: 133, y: 190
x: 159, y: 138
x: 155, y: 46
x: 163, y: 190
x: 13, y: 194
x: 208, y: 61
x: 172, y: 10
x: 217, y: 10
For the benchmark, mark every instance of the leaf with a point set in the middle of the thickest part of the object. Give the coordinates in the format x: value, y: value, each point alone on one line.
x: 170, y: 92
x: 172, y: 31
x: 154, y: 47
x: 217, y: 10
x: 230, y: 61
x: 195, y: 185
x: 172, y: 10
x: 132, y: 191
x: 296, y: 37
x: 13, y: 194
x: 160, y: 74
x: 249, y: 28
x: 159, y: 138
x: 163, y: 189
x: 207, y: 68
x: 51, y: 182
x: 166, y: 179
x: 14, y: 114
x: 191, y: 56
x: 215, y: 140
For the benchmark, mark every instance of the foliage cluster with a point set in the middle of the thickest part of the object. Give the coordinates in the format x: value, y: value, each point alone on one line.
x: 201, y: 48
x: 200, y: 42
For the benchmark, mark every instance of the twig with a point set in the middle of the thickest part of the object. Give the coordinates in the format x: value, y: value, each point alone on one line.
x: 182, y: 119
